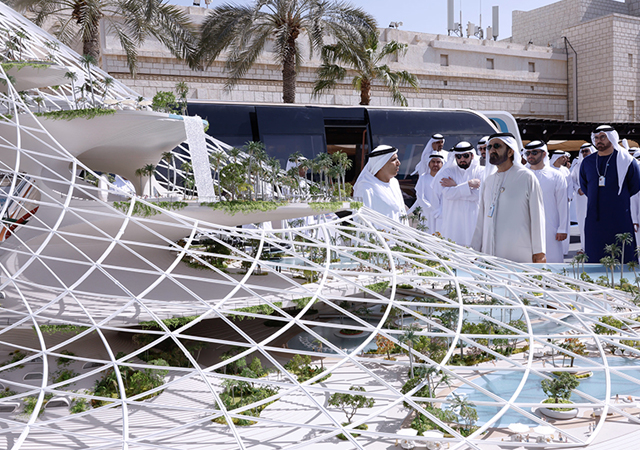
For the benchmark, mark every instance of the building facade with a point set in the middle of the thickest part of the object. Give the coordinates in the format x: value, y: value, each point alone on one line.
x: 454, y: 72
x: 602, y: 40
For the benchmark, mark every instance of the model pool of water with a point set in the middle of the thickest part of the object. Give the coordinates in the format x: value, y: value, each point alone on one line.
x: 505, y: 384
x: 306, y: 341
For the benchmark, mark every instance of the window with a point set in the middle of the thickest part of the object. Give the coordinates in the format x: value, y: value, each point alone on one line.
x: 532, y: 67
x: 445, y: 82
x: 630, y: 56
x: 444, y: 60
x: 631, y: 110
x: 489, y: 63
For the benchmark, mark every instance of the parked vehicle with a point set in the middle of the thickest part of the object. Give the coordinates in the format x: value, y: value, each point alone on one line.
x: 310, y: 130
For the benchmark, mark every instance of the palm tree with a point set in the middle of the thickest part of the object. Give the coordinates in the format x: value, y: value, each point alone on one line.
x: 168, y: 158
x: 623, y: 239
x: 132, y: 22
x: 217, y: 158
x: 87, y: 61
x: 410, y: 337
x: 107, y: 82
x: 341, y: 159
x: 364, y: 56
x: 148, y: 170
x: 182, y: 89
x: 245, y: 30
x: 73, y: 77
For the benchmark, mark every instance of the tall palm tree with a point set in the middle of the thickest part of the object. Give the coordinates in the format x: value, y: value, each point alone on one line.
x: 131, y: 21
x: 365, y: 56
x: 343, y: 162
x: 168, y: 158
x: 245, y: 30
x: 217, y: 158
x: 410, y: 337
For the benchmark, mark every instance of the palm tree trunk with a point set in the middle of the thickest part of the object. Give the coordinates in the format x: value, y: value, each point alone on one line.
x: 92, y: 45
x: 289, y: 70
x: 365, y: 92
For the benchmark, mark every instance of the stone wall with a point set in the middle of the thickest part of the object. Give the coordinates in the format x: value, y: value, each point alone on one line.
x: 593, y: 42
x: 545, y: 25
x: 526, y: 80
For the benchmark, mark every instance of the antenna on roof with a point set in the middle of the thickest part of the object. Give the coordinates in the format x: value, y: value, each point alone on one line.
x: 453, y: 27
x: 495, y: 26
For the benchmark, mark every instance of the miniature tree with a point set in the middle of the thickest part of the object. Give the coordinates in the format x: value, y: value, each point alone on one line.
x: 465, y: 410
x: 385, y: 345
x: 410, y: 337
x: 560, y: 387
x: 623, y: 239
x: 573, y: 345
x: 351, y: 403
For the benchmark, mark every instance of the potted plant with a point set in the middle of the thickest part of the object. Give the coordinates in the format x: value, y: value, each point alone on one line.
x: 558, y: 390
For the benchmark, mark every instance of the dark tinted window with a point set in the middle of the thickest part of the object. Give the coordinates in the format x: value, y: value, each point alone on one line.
x: 409, y: 131
x: 286, y: 130
x: 230, y: 124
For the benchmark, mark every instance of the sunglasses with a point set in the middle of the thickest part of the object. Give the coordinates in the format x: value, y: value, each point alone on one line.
x: 585, y: 152
x: 496, y: 146
x: 532, y: 152
x: 463, y: 156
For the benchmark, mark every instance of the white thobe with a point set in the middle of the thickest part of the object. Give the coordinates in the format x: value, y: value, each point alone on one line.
x: 459, y: 209
x: 556, y: 210
x: 569, y: 180
x: 426, y: 200
x: 580, y: 201
x: 516, y: 229
x: 385, y: 198
x: 635, y: 214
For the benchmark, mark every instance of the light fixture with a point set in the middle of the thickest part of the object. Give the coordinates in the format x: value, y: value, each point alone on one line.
x: 395, y: 25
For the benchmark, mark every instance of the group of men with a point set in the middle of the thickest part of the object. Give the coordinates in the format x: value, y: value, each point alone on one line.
x: 514, y: 203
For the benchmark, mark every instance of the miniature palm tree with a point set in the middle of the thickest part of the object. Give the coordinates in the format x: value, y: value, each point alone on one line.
x: 168, y: 158
x: 581, y: 258
x: 363, y: 55
x: 147, y: 170
x: 623, y: 239
x: 342, y: 161
x: 182, y: 89
x: 87, y: 61
x: 410, y: 337
x: 465, y: 409
x: 73, y: 77
x: 108, y: 82
x: 217, y: 158
x: 350, y: 403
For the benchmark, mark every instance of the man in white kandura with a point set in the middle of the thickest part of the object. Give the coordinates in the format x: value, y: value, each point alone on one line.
x: 435, y: 144
x: 425, y: 198
x: 377, y: 186
x: 554, y: 196
x: 559, y: 160
x: 482, y: 150
x: 511, y: 215
x: 578, y: 196
x: 458, y: 185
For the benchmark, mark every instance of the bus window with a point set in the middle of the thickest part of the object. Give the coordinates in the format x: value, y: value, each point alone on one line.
x: 288, y: 129
x: 353, y: 142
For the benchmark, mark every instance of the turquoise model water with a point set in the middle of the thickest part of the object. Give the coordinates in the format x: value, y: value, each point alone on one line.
x: 504, y: 384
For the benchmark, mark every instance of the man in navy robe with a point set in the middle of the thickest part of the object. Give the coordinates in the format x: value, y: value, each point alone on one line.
x: 608, y: 178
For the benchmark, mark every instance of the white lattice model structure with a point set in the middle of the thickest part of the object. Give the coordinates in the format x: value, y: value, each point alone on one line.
x: 137, y: 325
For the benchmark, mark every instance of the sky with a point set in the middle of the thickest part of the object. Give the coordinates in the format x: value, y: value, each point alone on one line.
x: 427, y: 16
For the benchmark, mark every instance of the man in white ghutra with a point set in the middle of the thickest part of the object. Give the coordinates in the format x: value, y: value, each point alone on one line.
x: 511, y: 221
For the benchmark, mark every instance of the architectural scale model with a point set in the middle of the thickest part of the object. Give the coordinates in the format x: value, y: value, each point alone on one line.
x: 157, y: 323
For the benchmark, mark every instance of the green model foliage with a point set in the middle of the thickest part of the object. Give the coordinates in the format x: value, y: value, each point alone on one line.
x: 135, y: 382
x: 257, y: 309
x: 560, y: 387
x: 245, y: 207
x: 351, y: 403
x: 70, y: 114
x: 63, y: 328
x: 145, y: 210
x: 325, y: 206
x: 19, y: 65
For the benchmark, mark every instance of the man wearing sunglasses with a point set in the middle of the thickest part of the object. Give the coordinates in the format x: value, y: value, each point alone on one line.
x: 608, y: 179
x: 458, y: 187
x: 554, y: 196
x: 511, y: 220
